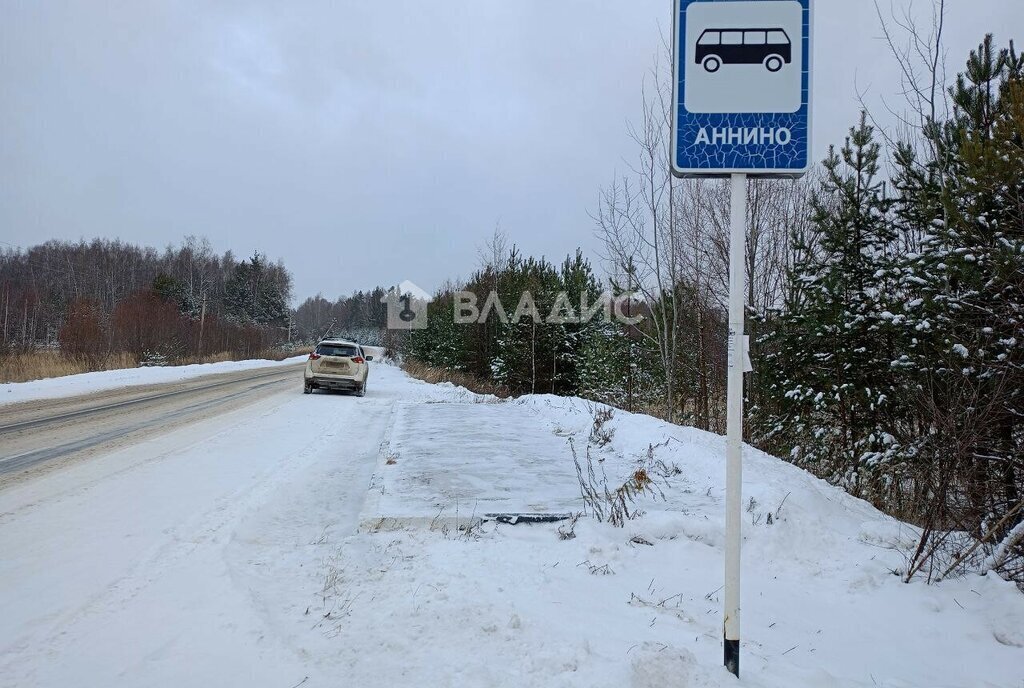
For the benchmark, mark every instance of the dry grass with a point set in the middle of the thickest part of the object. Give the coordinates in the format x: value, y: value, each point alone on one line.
x: 37, y: 365
x: 267, y: 354
x: 43, y: 364
x: 421, y: 371
x: 617, y: 505
x: 212, y: 358
x: 279, y: 355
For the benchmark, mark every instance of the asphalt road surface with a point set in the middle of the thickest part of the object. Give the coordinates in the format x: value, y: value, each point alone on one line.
x: 41, y: 435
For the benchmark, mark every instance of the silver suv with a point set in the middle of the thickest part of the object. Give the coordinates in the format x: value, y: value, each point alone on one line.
x: 336, y: 364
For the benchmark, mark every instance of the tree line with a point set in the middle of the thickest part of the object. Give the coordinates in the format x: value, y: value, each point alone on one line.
x: 100, y: 297
x: 360, y: 317
x: 534, y: 353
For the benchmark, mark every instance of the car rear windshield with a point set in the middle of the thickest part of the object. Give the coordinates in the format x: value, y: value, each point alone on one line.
x: 337, y: 350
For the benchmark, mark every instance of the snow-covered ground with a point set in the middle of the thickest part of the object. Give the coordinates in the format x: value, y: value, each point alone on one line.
x: 248, y: 551
x: 102, y: 381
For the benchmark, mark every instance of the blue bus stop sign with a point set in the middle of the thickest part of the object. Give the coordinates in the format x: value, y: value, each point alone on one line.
x: 742, y: 87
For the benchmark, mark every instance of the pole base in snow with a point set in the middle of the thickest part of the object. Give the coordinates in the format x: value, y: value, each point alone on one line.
x: 732, y: 657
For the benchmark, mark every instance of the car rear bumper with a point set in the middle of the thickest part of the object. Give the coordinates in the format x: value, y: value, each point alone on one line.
x: 346, y: 383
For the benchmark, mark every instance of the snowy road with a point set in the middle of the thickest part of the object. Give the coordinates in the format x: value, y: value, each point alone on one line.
x: 131, y: 568
x: 38, y: 432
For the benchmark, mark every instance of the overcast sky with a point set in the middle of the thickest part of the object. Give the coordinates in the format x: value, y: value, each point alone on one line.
x: 363, y: 142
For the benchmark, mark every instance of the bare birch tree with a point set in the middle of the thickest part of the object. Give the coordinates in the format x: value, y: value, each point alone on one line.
x: 637, y: 221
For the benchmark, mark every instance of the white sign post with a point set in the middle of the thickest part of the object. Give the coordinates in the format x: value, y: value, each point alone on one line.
x: 742, y: 107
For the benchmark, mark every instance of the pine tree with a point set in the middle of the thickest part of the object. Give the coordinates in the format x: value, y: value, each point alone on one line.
x: 835, y: 345
x: 963, y: 320
x: 441, y: 344
x: 255, y: 295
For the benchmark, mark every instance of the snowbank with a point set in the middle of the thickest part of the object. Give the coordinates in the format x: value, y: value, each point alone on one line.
x: 87, y: 383
x: 482, y: 604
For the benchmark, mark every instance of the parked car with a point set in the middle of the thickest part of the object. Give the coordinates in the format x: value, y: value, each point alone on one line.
x: 337, y: 365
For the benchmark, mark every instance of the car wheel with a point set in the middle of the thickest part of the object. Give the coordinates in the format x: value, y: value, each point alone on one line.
x: 362, y: 390
x: 307, y: 389
x: 773, y: 63
x: 712, y: 64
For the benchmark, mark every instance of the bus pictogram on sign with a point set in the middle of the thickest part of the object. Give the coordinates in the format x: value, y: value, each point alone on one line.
x: 770, y: 47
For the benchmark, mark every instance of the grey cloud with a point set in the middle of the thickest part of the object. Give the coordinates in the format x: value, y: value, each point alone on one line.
x: 363, y: 142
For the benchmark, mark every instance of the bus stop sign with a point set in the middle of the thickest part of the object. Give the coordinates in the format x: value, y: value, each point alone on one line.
x: 742, y: 87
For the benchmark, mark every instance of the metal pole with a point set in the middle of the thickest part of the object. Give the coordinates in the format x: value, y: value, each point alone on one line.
x: 734, y: 420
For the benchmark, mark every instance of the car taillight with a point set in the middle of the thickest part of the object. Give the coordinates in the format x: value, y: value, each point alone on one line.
x: 358, y: 359
x: 314, y: 356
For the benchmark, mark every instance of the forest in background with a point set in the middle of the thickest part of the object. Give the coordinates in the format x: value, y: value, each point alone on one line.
x: 104, y: 303
x: 361, y: 317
